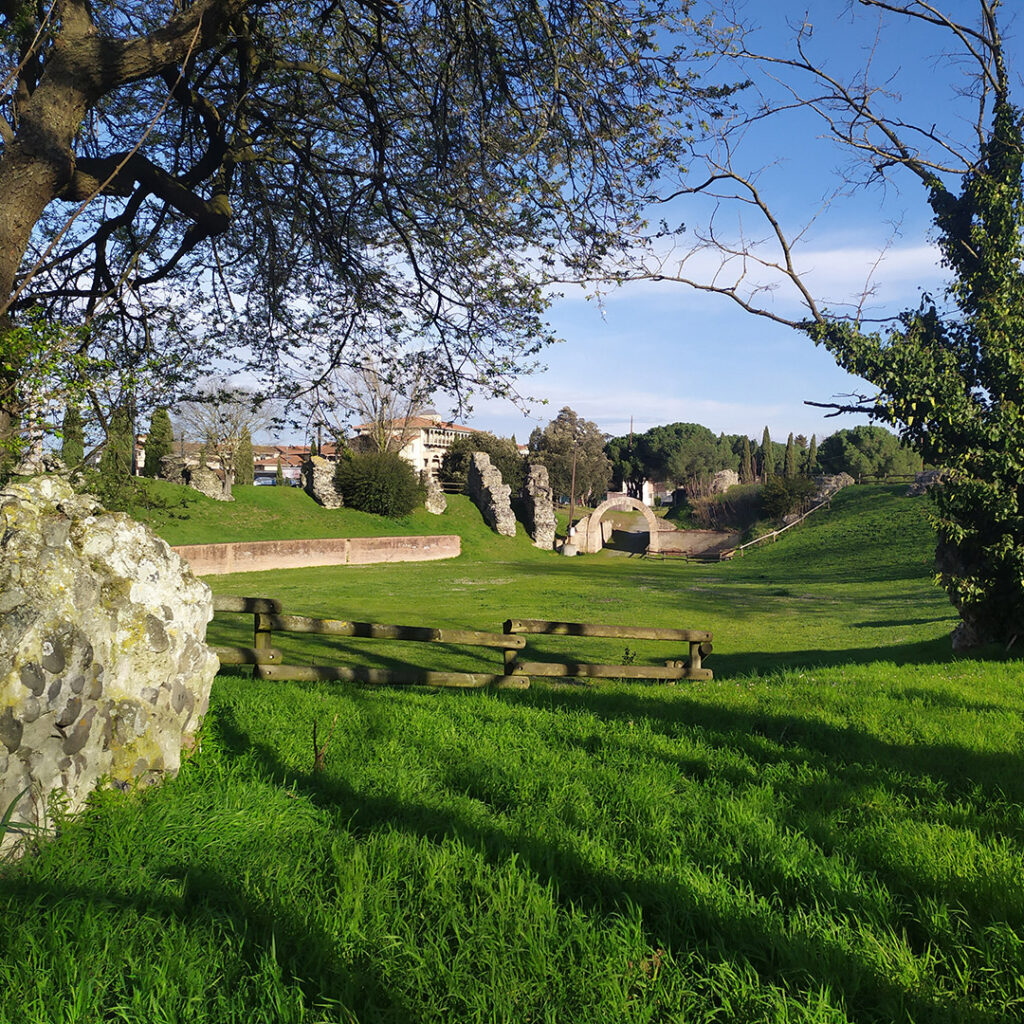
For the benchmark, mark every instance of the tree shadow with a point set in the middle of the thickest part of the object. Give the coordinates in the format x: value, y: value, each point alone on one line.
x: 677, y: 913
x: 218, y: 903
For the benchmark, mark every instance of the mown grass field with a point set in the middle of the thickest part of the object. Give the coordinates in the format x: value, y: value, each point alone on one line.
x: 832, y: 830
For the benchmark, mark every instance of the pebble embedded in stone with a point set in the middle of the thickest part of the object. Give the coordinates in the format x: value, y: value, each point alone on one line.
x: 77, y: 684
x: 71, y: 711
x: 10, y: 730
x: 53, y: 654
x: 32, y: 677
x: 30, y: 710
x: 156, y: 634
x: 79, y: 736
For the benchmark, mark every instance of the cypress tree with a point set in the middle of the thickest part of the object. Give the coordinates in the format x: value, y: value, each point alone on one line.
x: 789, y: 466
x: 313, y: 449
x: 244, y: 470
x: 116, y: 460
x: 159, y: 442
x: 746, y: 463
x: 72, y: 448
x: 767, y: 456
x: 812, y: 457
x: 279, y: 477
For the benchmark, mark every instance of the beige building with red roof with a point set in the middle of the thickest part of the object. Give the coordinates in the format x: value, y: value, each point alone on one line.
x: 427, y: 438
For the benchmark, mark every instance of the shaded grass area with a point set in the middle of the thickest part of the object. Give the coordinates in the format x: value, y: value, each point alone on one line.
x: 832, y: 830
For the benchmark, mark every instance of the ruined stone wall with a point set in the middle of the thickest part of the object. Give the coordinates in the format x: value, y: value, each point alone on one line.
x: 490, y: 494
x: 537, y: 506
x: 104, y: 669
x: 317, y: 478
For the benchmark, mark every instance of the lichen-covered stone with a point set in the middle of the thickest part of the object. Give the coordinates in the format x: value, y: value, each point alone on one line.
x: 317, y: 478
x: 188, y: 472
x: 723, y: 480
x: 491, y: 494
x: 826, y: 486
x: 538, y: 507
x: 435, y: 502
x: 104, y: 670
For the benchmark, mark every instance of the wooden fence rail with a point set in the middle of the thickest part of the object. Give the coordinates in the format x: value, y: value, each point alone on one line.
x: 268, y: 661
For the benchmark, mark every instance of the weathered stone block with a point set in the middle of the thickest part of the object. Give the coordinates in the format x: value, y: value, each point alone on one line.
x: 490, y: 494
x: 317, y: 479
x: 435, y: 502
x: 538, y: 507
x: 104, y: 670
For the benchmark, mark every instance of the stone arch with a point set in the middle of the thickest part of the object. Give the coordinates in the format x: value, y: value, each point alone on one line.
x: 593, y: 541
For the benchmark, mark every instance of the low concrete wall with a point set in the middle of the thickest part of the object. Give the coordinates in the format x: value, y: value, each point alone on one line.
x: 260, y: 555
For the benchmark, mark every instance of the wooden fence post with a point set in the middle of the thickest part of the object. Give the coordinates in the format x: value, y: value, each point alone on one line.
x: 262, y: 638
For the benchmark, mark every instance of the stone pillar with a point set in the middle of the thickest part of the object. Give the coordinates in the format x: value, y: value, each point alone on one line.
x: 435, y: 502
x: 318, y: 482
x: 538, y: 507
x: 490, y: 494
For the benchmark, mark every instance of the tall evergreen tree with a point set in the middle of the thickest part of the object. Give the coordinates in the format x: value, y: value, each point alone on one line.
x: 746, y: 463
x: 116, y: 460
x: 159, y: 442
x: 811, y: 464
x: 766, y: 456
x: 72, y: 449
x: 279, y: 476
x: 789, y: 466
x: 313, y: 451
x: 244, y: 465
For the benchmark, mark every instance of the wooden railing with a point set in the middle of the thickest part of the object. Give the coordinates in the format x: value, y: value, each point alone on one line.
x: 268, y: 661
x: 699, y: 641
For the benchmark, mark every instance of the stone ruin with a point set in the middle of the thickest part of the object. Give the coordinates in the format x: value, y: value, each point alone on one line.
x: 435, y: 501
x: 104, y: 669
x: 536, y: 501
x: 181, y: 469
x: 317, y: 479
x: 490, y: 494
x: 827, y: 486
x: 924, y: 482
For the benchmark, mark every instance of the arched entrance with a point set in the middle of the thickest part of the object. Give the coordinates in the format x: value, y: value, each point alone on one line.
x: 592, y: 541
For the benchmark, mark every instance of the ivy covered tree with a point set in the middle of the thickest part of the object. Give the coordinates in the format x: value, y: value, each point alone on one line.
x: 159, y: 442
x: 947, y: 374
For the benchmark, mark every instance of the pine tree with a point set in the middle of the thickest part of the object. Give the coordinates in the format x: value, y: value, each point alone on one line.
x: 789, y: 466
x: 767, y: 456
x: 746, y: 463
x: 243, y: 459
x: 811, y: 466
x: 279, y: 476
x: 159, y: 442
x: 116, y: 460
x: 72, y: 449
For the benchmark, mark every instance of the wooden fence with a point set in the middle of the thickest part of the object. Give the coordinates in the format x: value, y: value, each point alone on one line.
x: 267, y: 660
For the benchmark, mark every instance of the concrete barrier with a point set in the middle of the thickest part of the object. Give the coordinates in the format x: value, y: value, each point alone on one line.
x: 262, y: 555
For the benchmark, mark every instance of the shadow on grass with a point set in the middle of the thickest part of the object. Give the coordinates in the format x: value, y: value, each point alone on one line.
x: 677, y: 911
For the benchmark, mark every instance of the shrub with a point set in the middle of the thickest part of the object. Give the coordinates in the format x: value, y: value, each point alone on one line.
x: 379, y: 482
x: 504, y: 455
x: 780, y: 496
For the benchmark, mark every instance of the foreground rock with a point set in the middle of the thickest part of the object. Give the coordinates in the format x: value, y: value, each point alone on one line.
x: 104, y: 671
x: 491, y: 494
x: 538, y: 507
x: 317, y: 478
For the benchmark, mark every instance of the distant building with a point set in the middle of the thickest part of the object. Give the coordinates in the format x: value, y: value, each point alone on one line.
x: 428, y: 437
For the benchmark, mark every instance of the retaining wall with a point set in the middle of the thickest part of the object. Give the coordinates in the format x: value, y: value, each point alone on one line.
x: 261, y: 555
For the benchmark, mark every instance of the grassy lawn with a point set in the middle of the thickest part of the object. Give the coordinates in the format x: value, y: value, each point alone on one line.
x: 832, y: 830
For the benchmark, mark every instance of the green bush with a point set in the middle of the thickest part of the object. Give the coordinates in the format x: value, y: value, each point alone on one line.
x: 780, y: 496
x: 379, y: 482
x: 504, y: 455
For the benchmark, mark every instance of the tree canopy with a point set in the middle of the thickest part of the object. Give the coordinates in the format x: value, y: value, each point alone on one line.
x: 289, y: 185
x: 866, y: 452
x: 571, y: 446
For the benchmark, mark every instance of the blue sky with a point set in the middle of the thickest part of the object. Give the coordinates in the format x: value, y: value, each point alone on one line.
x: 661, y: 352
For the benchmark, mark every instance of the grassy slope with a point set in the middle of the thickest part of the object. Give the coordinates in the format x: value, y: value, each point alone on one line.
x: 838, y: 840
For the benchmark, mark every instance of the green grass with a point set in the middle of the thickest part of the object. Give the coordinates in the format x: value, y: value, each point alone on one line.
x: 832, y: 830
